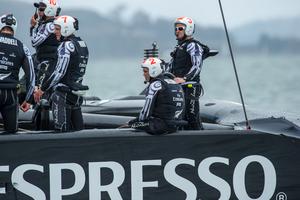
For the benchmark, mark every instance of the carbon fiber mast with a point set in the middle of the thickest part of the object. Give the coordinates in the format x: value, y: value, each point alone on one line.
x: 234, y: 66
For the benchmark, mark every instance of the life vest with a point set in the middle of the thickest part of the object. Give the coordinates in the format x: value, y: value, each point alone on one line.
x: 169, y: 104
x: 12, y: 56
x: 77, y: 65
x: 48, y: 49
x: 182, y: 60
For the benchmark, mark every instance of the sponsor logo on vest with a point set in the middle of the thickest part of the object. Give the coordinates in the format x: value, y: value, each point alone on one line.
x: 138, y: 169
x: 178, y: 99
x: 4, y: 61
x: 3, y: 76
x: 3, y: 67
x: 9, y: 41
x: 13, y: 55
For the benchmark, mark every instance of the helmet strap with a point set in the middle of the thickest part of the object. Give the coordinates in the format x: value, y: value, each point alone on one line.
x: 58, y: 11
x: 183, y: 39
x: 76, y: 26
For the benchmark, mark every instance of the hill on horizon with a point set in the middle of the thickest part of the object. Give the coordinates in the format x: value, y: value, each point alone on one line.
x: 109, y: 36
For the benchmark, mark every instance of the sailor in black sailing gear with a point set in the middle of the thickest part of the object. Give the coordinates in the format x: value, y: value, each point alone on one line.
x: 66, y: 80
x: 186, y: 65
x: 164, y: 106
x: 13, y: 55
x: 43, y: 39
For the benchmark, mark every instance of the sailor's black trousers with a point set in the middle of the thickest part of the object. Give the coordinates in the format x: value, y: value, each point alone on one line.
x: 66, y: 110
x: 9, y: 109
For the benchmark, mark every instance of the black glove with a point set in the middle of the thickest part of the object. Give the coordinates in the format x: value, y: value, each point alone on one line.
x: 133, y: 121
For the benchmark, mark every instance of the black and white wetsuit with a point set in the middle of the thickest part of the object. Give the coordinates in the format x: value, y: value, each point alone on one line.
x: 65, y: 82
x: 186, y: 62
x: 13, y: 55
x: 43, y: 39
x: 163, y: 108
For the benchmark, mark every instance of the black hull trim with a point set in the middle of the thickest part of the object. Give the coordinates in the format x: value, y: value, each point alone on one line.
x: 124, y: 164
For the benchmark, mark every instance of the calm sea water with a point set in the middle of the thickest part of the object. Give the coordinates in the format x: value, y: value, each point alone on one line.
x: 268, y: 82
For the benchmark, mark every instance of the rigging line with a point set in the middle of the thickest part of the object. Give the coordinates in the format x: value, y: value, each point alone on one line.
x: 234, y: 66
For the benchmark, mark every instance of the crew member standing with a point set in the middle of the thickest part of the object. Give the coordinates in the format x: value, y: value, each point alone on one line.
x: 66, y: 80
x: 13, y: 55
x: 43, y: 39
x: 186, y: 65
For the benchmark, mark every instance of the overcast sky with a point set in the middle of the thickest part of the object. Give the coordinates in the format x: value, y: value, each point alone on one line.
x: 205, y: 12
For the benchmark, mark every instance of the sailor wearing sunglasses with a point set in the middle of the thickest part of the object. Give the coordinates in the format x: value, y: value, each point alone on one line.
x: 45, y: 42
x: 186, y: 65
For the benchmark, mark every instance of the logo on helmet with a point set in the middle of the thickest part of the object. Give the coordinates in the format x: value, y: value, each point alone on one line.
x: 190, y: 21
x: 153, y: 65
x: 68, y: 25
x: 51, y: 7
x: 52, y: 2
x: 152, y: 61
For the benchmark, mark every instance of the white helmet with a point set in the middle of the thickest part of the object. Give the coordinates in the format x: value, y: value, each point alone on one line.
x: 51, y: 7
x: 8, y: 21
x: 153, y: 65
x: 67, y: 24
x: 188, y: 23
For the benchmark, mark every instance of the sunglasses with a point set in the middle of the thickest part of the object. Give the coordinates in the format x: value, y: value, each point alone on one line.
x: 179, y: 28
x: 42, y: 9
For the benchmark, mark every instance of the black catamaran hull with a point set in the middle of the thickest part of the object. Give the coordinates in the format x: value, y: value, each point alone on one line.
x: 123, y: 164
x: 216, y: 114
x: 101, y: 163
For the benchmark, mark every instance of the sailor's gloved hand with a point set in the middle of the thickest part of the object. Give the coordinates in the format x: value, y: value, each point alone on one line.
x: 129, y: 123
x: 164, y: 64
x: 132, y: 121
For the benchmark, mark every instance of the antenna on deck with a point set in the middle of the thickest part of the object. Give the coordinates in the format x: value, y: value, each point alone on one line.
x: 154, y: 52
x: 234, y: 66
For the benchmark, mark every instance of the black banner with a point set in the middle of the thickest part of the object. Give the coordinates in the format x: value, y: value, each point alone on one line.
x: 111, y: 164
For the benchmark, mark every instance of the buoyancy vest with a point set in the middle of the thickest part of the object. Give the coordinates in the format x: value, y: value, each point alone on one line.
x: 77, y: 65
x: 48, y: 49
x: 12, y: 56
x: 182, y: 62
x: 169, y: 104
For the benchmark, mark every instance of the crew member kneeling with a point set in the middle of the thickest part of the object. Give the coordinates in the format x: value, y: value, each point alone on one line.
x: 163, y: 109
